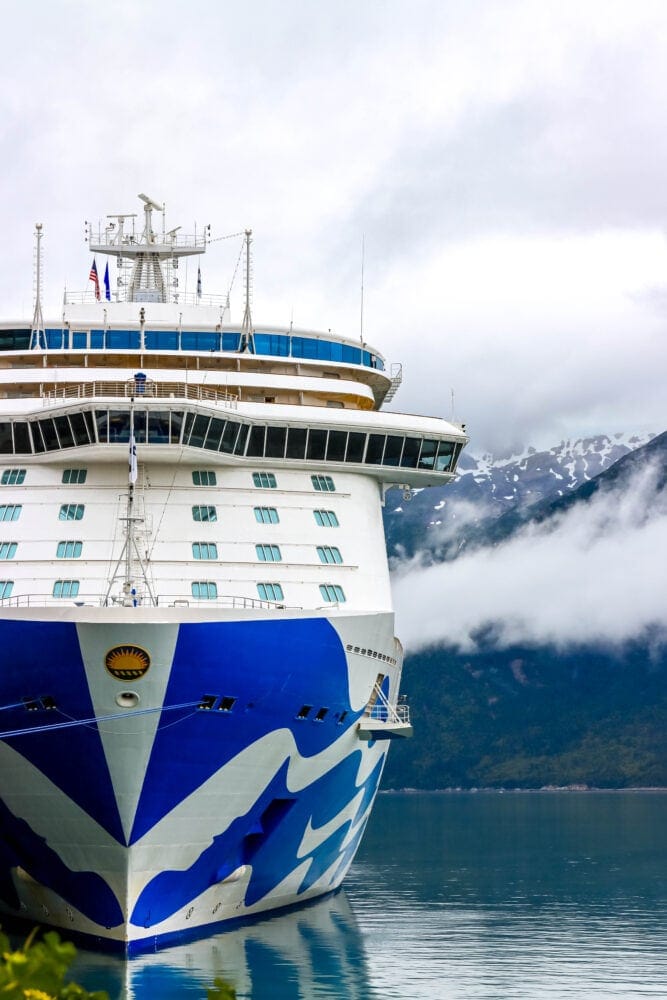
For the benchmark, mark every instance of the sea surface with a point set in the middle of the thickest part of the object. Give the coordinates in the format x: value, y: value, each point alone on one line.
x: 538, y: 895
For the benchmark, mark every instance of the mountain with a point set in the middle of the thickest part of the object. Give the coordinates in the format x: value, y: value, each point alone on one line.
x: 531, y: 715
x: 440, y: 522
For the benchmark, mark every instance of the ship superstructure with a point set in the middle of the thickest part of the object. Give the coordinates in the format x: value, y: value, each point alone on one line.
x: 198, y: 667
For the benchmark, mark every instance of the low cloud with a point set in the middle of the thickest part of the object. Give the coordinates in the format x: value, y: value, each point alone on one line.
x: 594, y: 575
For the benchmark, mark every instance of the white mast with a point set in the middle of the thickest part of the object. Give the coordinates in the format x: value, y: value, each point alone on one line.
x: 38, y: 334
x: 246, y: 325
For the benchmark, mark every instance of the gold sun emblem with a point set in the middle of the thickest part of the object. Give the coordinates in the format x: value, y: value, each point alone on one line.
x: 127, y: 663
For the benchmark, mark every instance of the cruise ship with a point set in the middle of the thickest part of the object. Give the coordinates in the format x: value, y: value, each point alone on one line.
x: 199, y: 677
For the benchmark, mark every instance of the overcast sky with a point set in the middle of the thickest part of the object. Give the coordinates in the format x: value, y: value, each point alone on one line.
x: 505, y: 162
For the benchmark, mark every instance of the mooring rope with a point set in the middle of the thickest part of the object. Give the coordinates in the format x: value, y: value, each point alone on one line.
x: 52, y: 727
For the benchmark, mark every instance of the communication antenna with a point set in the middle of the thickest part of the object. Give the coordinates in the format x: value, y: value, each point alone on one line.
x: 37, y: 333
x: 246, y: 326
x: 361, y: 318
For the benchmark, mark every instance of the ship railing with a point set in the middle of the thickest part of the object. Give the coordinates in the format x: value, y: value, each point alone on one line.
x: 177, y: 298
x: 162, y: 601
x: 382, y: 710
x: 396, y: 375
x: 140, y: 389
x: 396, y: 713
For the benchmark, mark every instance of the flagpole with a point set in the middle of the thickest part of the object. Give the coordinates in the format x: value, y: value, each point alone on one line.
x: 129, y: 542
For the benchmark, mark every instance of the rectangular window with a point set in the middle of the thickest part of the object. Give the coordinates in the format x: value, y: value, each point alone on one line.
x: 204, y: 477
x: 445, y: 456
x: 204, y: 513
x: 427, y: 454
x: 264, y: 480
x: 268, y: 553
x: 356, y: 443
x: 270, y: 591
x: 332, y: 593
x: 71, y: 512
x: 296, y: 442
x: 10, y: 511
x: 374, y: 449
x: 275, y: 442
x: 329, y: 554
x: 336, y: 446
x: 74, y: 476
x: 6, y: 587
x: 69, y: 550
x: 12, y: 477
x: 204, y: 550
x: 8, y: 550
x: 266, y: 515
x: 317, y: 442
x: 66, y: 588
x: 204, y: 590
x: 325, y: 518
x: 324, y: 484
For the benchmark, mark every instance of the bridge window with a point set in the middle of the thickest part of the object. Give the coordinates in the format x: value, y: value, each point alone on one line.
x: 74, y: 476
x: 268, y: 553
x: 204, y: 590
x: 13, y: 477
x: 69, y: 550
x: 204, y: 513
x: 296, y: 442
x: 266, y: 515
x: 66, y: 588
x: 6, y: 587
x: 204, y: 550
x: 270, y: 591
x: 445, y: 456
x: 8, y: 550
x: 71, y: 512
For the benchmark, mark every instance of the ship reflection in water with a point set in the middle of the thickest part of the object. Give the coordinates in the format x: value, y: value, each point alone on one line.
x: 316, y: 951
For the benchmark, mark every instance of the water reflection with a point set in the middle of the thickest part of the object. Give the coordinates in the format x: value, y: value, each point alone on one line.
x: 515, y: 896
x: 500, y: 897
x: 314, y: 952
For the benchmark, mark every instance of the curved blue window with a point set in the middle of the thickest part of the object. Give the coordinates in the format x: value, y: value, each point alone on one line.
x: 200, y: 341
x: 161, y: 340
x: 272, y: 343
x: 123, y: 340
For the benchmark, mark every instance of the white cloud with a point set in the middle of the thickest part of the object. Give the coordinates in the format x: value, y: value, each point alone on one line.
x: 596, y: 574
x: 505, y: 162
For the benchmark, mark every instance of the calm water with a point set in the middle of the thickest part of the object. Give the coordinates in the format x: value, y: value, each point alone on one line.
x: 477, y: 896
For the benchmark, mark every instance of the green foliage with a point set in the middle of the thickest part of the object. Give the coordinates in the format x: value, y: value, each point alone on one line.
x: 221, y: 991
x: 37, y: 970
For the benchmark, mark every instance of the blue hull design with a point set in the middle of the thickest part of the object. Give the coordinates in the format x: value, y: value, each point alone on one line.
x: 234, y: 784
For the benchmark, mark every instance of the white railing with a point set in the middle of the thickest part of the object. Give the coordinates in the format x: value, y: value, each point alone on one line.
x: 176, y: 298
x: 147, y: 390
x: 397, y: 713
x: 162, y: 601
x: 382, y: 710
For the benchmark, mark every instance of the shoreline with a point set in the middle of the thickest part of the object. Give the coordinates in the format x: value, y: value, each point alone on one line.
x: 545, y: 789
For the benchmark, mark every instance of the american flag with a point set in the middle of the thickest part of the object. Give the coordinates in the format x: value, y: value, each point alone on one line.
x: 93, y: 276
